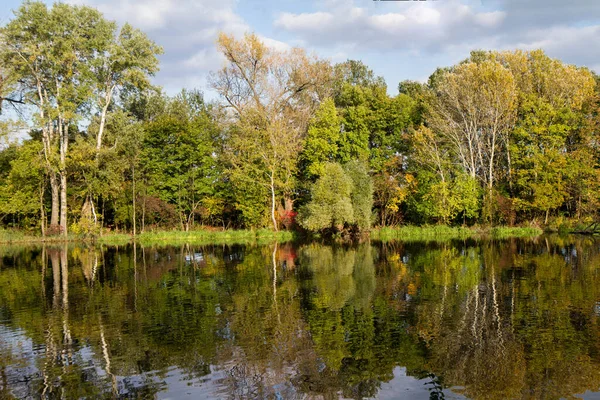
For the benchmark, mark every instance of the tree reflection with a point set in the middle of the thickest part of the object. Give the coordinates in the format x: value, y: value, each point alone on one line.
x: 488, y: 319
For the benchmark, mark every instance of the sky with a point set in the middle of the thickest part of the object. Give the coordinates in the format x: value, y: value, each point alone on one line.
x: 397, y: 39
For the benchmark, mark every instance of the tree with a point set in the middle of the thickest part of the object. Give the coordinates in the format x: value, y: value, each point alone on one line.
x: 49, y: 51
x: 22, y: 188
x: 341, y: 197
x: 391, y: 188
x: 331, y: 201
x: 362, y: 193
x: 546, y: 144
x: 322, y: 140
x: 178, y: 155
x: 69, y: 60
x: 272, y: 95
x: 373, y: 124
x: 128, y: 60
x: 356, y: 92
x: 9, y: 93
x: 475, y: 112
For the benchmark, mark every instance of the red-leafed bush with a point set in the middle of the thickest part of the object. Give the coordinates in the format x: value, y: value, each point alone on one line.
x: 288, y: 218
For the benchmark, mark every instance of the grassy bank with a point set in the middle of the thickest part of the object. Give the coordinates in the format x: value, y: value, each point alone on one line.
x: 213, y: 237
x: 442, y: 232
x: 405, y: 233
x: 160, y: 237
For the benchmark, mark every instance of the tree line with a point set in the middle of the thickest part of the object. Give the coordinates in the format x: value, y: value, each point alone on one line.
x: 293, y: 141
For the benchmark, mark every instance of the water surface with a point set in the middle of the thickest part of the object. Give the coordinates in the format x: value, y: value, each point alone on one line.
x: 488, y: 319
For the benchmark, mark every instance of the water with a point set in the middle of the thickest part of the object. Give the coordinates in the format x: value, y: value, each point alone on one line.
x: 495, y: 320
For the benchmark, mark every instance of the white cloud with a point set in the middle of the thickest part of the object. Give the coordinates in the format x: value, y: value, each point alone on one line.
x: 305, y: 21
x: 187, y: 30
x: 275, y: 44
x: 490, y: 19
x: 417, y: 25
x: 401, y: 38
x: 450, y: 29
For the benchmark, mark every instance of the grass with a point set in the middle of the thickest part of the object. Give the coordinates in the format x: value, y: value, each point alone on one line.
x: 160, y: 237
x: 17, y: 236
x: 216, y: 237
x: 503, y: 232
x: 443, y: 232
x: 404, y: 233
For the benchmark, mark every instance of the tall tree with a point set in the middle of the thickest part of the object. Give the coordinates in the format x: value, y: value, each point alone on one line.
x: 475, y: 112
x: 50, y: 53
x: 272, y: 95
x: 128, y: 60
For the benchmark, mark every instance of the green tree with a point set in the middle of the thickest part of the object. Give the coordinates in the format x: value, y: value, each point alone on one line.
x: 341, y: 197
x: 331, y: 202
x: 50, y: 53
x: 322, y: 140
x: 178, y: 156
x: 356, y: 89
x: 540, y: 161
x: 362, y: 193
x: 128, y: 60
x: 23, y: 184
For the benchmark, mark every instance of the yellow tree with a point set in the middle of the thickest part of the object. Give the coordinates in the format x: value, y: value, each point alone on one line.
x: 550, y: 144
x: 272, y: 94
x: 474, y: 112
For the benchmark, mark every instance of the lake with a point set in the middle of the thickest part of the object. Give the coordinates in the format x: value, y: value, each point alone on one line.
x: 458, y: 319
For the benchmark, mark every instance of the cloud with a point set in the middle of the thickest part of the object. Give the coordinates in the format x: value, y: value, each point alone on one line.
x: 305, y: 21
x: 450, y: 28
x: 187, y: 30
x: 419, y: 25
x: 274, y: 44
x: 403, y: 40
x: 570, y: 44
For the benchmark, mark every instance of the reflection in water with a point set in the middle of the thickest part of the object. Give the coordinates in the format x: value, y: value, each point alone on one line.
x: 507, y: 319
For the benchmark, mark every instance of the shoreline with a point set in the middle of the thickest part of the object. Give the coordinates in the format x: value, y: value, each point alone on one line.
x: 196, y: 236
x: 402, y: 233
x: 444, y: 232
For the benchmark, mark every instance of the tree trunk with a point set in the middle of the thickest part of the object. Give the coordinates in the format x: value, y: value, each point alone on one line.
x: 133, y: 183
x: 490, y: 201
x: 107, y: 100
x: 48, y: 146
x: 508, y: 160
x: 55, y: 200
x: 64, y: 143
x: 101, y: 128
x: 42, y: 213
x: 63, y: 204
x: 144, y: 212
x: 273, y: 201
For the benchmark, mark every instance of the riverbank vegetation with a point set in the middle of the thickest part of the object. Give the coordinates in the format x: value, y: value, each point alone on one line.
x: 241, y: 236
x: 293, y: 143
x: 444, y: 232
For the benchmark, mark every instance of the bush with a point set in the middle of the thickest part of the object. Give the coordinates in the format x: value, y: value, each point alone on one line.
x: 342, y: 197
x: 85, y: 227
x: 331, y: 205
x: 362, y: 193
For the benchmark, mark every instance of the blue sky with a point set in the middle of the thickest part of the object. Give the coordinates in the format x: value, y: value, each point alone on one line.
x: 398, y: 40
